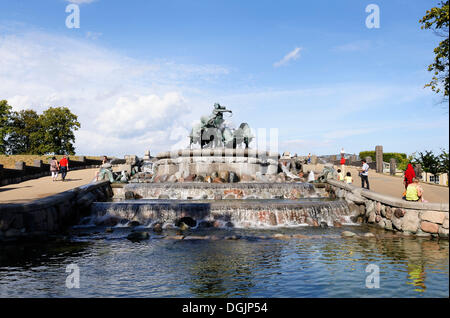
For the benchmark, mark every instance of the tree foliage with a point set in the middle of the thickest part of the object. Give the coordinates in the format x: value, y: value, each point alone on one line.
x: 444, y: 163
x: 58, y: 125
x: 429, y: 161
x: 26, y: 132
x: 437, y: 19
x: 5, y: 111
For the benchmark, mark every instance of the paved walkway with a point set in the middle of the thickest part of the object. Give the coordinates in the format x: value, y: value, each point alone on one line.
x: 386, y: 184
x: 38, y: 188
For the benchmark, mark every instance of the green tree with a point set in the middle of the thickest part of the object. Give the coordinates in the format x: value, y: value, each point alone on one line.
x: 437, y: 19
x: 444, y: 163
x: 429, y: 161
x: 58, y: 125
x: 5, y: 111
x: 24, y: 133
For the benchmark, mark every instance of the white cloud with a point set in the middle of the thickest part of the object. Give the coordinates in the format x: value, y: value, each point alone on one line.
x: 93, y: 35
x: 124, y: 105
x: 293, y: 55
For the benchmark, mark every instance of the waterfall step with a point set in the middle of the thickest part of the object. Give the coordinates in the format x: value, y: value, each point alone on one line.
x: 259, y: 212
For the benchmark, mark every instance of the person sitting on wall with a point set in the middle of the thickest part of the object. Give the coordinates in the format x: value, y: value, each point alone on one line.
x: 414, y: 191
x: 348, y: 178
x: 340, y: 175
x: 105, y: 169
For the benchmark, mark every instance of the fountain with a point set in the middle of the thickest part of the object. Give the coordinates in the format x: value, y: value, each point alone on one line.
x: 221, y: 184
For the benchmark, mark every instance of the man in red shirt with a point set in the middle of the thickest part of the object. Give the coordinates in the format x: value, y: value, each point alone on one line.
x: 64, y: 167
x: 343, y: 164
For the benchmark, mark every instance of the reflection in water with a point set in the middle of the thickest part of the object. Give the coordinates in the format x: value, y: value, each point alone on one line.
x: 416, y: 275
x: 321, y: 265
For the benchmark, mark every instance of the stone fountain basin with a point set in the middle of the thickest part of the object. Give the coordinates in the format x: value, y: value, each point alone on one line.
x: 245, y: 213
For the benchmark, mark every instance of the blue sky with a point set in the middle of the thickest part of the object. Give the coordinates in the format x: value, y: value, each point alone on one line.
x: 140, y: 73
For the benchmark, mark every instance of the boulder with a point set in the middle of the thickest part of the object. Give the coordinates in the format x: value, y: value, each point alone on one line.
x: 224, y: 175
x: 190, y: 178
x: 348, y: 234
x: 190, y: 222
x: 134, y: 223
x: 138, y: 236
x: 109, y: 230
x: 388, y: 224
x: 337, y: 224
x: 411, y: 221
x: 388, y: 213
x: 372, y: 216
x: 233, y: 177
x: 129, y: 195
x: 229, y: 224
x: 157, y: 228
x: 369, y: 234
x: 429, y: 227
x: 434, y: 217
x: 214, y: 175
x: 280, y: 236
x: 399, y: 213
x: 397, y: 223
x: 199, y: 179
x: 218, y: 180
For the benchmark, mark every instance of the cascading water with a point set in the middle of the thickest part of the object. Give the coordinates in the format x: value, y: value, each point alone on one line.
x: 226, y: 213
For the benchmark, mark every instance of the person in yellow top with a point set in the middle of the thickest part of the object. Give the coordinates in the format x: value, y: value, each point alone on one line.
x: 414, y: 192
x: 340, y: 175
x: 348, y: 178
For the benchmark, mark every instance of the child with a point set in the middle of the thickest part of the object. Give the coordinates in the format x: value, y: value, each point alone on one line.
x: 340, y: 175
x: 348, y: 178
x: 414, y: 191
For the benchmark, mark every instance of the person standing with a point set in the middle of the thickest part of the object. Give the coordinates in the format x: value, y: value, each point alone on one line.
x: 364, y: 174
x: 64, y: 166
x: 343, y: 164
x: 308, y: 160
x: 410, y: 174
x: 54, y: 167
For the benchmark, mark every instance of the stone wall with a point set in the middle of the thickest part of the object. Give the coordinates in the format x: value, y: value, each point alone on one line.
x: 391, y: 213
x: 50, y: 215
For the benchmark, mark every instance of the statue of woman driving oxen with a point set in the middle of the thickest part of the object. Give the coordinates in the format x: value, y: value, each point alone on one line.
x: 211, y: 131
